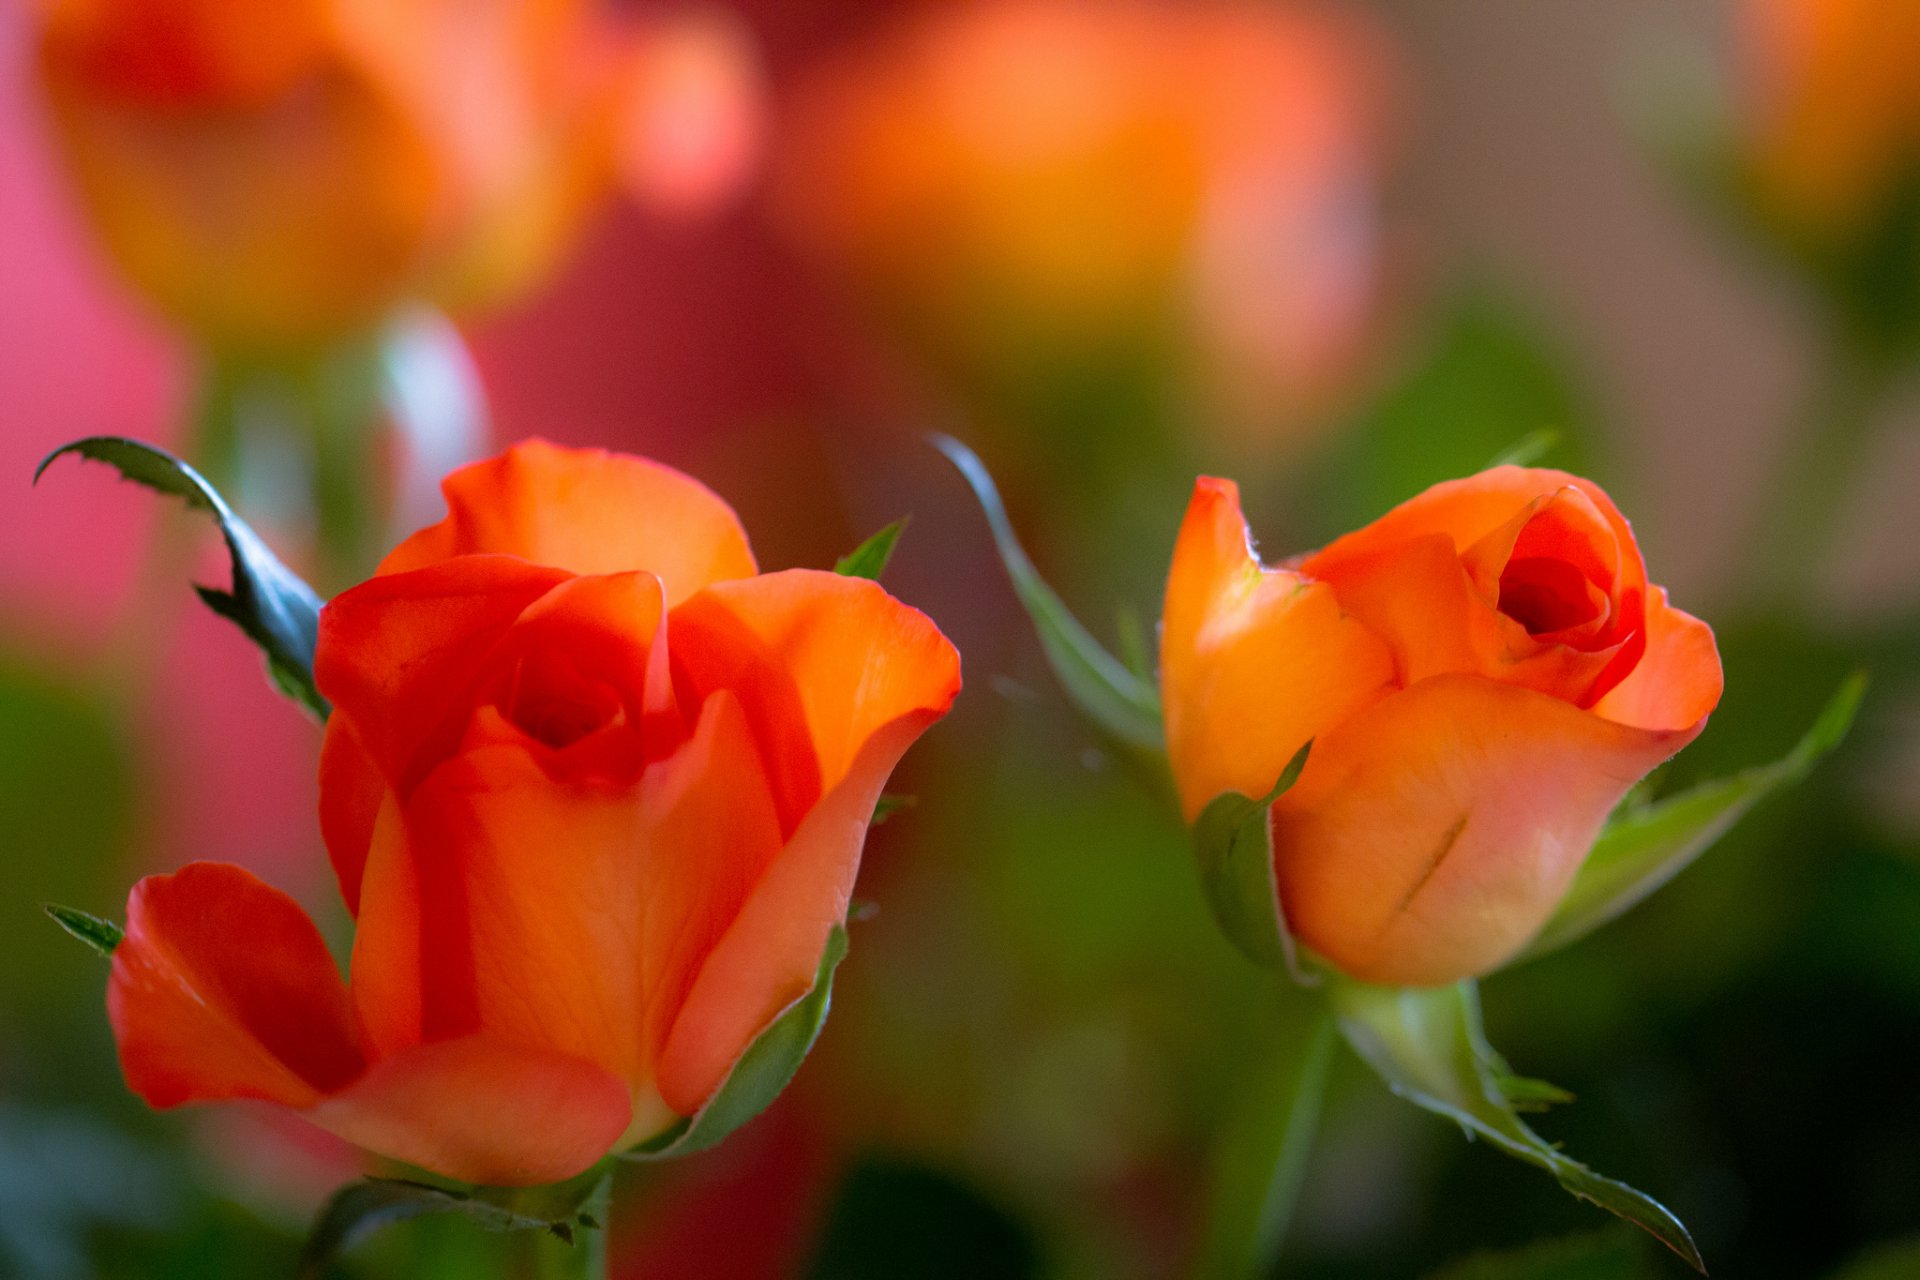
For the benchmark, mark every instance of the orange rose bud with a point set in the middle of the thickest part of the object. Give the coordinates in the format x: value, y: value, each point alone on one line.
x: 275, y: 176
x: 595, y: 791
x: 1483, y: 673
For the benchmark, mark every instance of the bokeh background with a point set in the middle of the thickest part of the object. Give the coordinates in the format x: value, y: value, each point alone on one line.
x: 1336, y: 251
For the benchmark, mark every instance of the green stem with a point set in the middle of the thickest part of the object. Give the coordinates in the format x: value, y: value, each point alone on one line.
x: 1261, y: 1156
x: 1814, y: 477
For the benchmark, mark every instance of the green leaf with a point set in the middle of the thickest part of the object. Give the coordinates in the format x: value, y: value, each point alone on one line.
x: 1427, y: 1044
x: 1099, y: 685
x: 268, y: 601
x: 361, y: 1208
x: 1233, y: 845
x: 869, y: 559
x: 762, y: 1072
x: 1647, y: 845
x: 102, y: 935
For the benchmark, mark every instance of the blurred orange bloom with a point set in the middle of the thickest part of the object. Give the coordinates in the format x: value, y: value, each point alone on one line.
x: 595, y: 792
x: 273, y: 175
x: 1037, y: 182
x: 1483, y: 673
x: 1833, y: 111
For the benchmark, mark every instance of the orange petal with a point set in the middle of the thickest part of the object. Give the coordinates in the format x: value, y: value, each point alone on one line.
x: 769, y: 957
x: 568, y: 914
x: 483, y: 1110
x: 1678, y: 681
x: 588, y: 511
x: 1433, y: 834
x: 1254, y: 662
x: 222, y: 988
x: 399, y: 656
x: 821, y: 663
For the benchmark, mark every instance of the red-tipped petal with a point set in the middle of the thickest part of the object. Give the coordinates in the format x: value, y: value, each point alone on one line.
x: 222, y: 988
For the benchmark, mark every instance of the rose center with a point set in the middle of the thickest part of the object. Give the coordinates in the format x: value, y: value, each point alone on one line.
x: 559, y: 708
x: 1547, y: 595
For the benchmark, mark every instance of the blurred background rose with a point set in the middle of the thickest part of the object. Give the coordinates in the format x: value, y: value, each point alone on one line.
x: 1039, y: 1032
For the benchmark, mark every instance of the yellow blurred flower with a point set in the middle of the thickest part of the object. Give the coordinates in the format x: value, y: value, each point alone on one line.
x: 275, y: 175
x: 1033, y: 184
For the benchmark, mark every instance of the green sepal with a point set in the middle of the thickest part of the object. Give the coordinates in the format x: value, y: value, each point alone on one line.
x: 1647, y: 845
x: 1100, y: 686
x: 1427, y: 1044
x: 101, y: 935
x: 361, y: 1208
x: 765, y: 1069
x: 869, y: 559
x: 1527, y: 450
x: 268, y: 601
x: 1233, y: 845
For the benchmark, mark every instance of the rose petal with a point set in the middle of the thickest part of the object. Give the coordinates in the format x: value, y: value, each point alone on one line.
x: 351, y: 793
x: 571, y: 914
x: 1254, y: 662
x: 400, y: 656
x: 223, y: 988
x: 821, y: 663
x: 588, y: 511
x: 1678, y: 681
x: 1433, y: 833
x: 769, y: 957
x: 483, y: 1110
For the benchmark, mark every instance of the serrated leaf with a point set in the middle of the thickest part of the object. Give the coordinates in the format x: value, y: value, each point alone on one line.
x: 101, y: 935
x: 1646, y: 845
x: 1428, y: 1046
x: 869, y: 559
x: 1233, y: 847
x: 1099, y: 685
x: 268, y: 601
x: 765, y: 1069
x: 361, y: 1208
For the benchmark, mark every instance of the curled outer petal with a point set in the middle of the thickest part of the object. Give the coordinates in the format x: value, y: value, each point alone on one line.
x: 222, y: 988
x: 586, y: 511
x: 1254, y: 662
x: 835, y: 667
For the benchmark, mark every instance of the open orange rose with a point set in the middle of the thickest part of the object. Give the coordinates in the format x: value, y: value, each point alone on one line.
x: 1483, y: 673
x: 275, y: 175
x: 595, y: 792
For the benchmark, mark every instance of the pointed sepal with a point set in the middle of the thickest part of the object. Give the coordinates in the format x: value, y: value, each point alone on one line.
x: 1427, y: 1044
x: 869, y: 559
x: 102, y: 936
x: 1646, y: 846
x: 1233, y: 848
x: 1118, y: 702
x: 268, y: 601
x: 763, y: 1071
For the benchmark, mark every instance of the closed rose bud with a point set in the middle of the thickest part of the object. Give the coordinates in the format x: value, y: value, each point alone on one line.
x: 595, y: 792
x: 1483, y: 674
x: 273, y: 176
